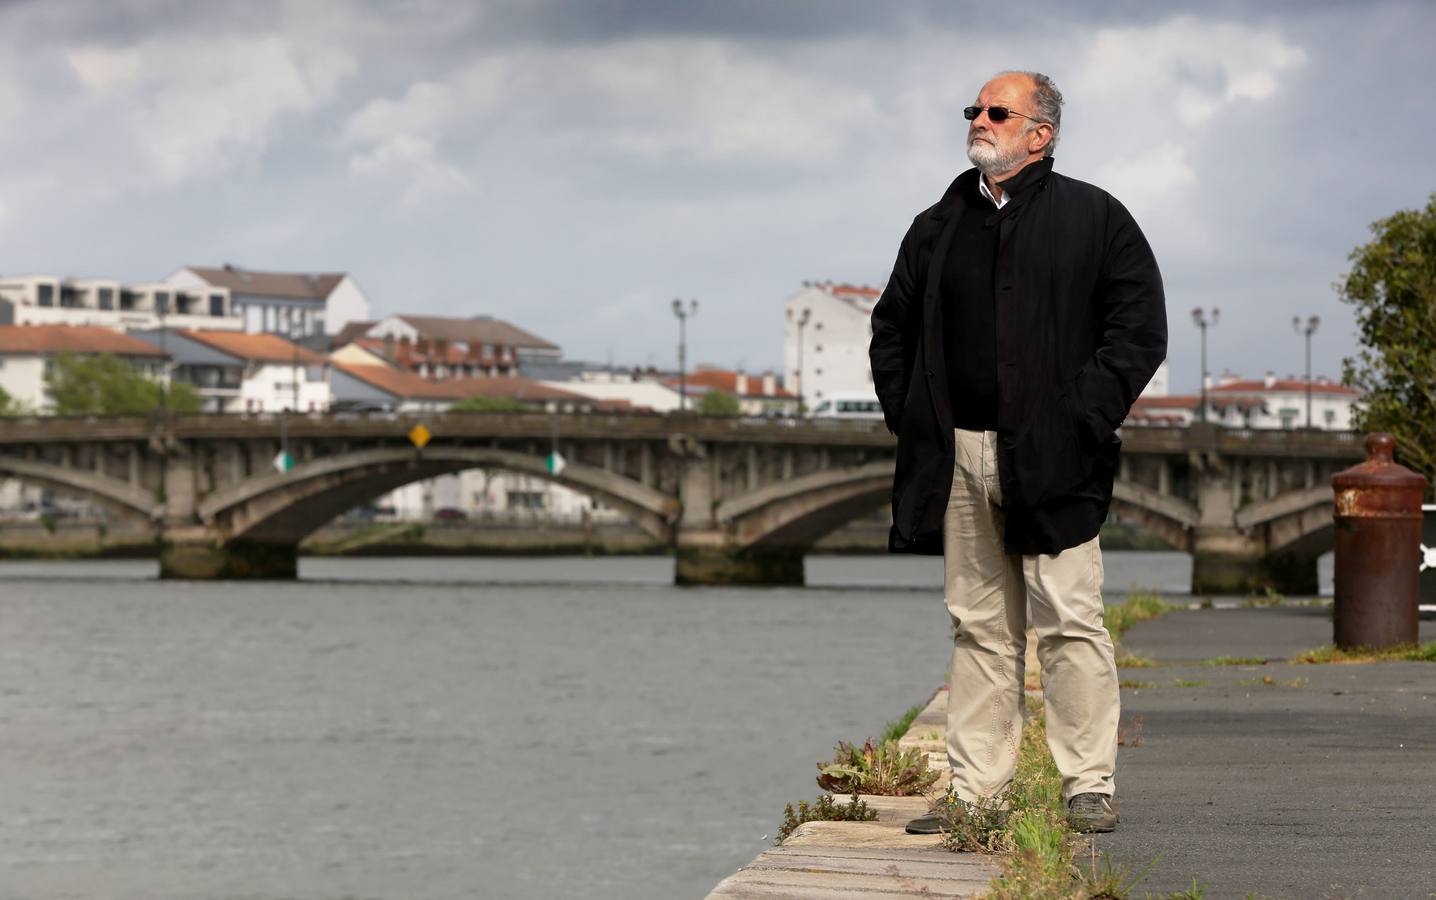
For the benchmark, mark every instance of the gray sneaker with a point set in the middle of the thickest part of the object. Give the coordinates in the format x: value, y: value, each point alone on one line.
x: 1090, y: 813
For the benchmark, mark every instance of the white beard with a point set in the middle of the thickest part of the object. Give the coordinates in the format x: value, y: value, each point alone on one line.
x: 993, y: 159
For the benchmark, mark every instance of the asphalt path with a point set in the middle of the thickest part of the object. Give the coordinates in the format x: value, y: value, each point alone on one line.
x: 1277, y: 780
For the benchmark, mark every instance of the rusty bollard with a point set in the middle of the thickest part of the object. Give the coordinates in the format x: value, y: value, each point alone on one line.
x: 1378, y: 549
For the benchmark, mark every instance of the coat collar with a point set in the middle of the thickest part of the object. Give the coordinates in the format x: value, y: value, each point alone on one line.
x: 1031, y: 179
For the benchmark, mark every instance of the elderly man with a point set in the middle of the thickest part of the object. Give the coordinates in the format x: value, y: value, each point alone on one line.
x: 1023, y: 316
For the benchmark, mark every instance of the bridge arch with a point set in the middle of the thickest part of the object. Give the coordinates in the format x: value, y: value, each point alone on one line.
x: 799, y: 511
x: 283, y: 508
x: 113, y: 493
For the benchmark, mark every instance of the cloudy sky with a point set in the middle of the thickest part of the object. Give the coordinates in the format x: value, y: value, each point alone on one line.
x: 572, y: 166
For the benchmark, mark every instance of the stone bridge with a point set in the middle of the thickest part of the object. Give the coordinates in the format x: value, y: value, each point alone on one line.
x: 739, y: 500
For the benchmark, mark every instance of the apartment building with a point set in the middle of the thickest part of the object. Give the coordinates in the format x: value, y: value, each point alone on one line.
x: 439, y: 347
x: 826, y: 331
x: 292, y: 304
x: 1269, y: 402
x: 107, y: 303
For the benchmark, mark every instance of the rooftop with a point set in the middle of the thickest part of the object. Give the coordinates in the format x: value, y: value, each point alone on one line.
x: 32, y: 339
x: 256, y: 347
x: 306, y: 285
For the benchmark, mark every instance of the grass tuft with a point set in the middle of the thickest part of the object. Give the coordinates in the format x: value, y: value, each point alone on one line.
x: 1128, y: 660
x: 1186, y: 683
x: 1234, y: 661
x: 1403, y: 652
x: 1272, y: 682
x: 1134, y: 684
x: 897, y: 728
x: 1140, y: 607
x: 823, y: 810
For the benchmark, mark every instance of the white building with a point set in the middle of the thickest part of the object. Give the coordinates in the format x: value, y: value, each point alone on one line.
x: 294, y: 304
x: 826, y: 331
x: 757, y: 395
x: 1234, y: 402
x: 27, y: 352
x: 53, y: 300
x: 276, y: 375
x: 623, y: 389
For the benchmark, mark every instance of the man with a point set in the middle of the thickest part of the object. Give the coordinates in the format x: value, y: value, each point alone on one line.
x: 1024, y: 315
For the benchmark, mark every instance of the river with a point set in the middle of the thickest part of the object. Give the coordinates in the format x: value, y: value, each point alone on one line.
x: 442, y: 728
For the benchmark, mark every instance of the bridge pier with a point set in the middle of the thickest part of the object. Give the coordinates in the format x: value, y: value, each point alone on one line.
x: 695, y: 565
x: 1228, y: 562
x: 236, y: 560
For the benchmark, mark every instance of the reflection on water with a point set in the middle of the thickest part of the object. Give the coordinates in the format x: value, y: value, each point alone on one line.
x: 440, y: 727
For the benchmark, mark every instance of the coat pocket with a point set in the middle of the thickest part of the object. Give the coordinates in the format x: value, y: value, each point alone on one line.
x: 1051, y: 458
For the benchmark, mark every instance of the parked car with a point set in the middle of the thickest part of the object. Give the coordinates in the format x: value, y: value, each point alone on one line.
x: 449, y: 514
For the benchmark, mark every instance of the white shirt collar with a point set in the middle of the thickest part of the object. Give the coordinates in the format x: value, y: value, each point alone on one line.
x: 982, y: 186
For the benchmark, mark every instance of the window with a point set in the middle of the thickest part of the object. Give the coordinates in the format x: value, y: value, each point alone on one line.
x: 525, y: 499
x: 216, y: 304
x: 45, y: 295
x: 162, y: 302
x: 107, y: 298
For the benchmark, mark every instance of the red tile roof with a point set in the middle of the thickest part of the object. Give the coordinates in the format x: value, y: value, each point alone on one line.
x: 1179, y: 402
x: 42, y: 339
x: 401, y: 384
x: 1286, y: 385
x: 514, y: 387
x: 727, y: 382
x: 256, y: 347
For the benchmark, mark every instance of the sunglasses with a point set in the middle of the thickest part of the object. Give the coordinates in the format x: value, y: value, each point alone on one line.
x: 995, y: 113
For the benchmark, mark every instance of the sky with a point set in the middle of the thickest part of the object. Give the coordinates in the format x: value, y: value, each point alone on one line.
x: 573, y: 165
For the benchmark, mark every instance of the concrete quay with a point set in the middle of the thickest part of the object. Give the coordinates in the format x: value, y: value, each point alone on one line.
x: 873, y: 860
x: 1271, y: 778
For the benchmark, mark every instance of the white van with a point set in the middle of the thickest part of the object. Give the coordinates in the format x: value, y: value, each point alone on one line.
x: 849, y: 406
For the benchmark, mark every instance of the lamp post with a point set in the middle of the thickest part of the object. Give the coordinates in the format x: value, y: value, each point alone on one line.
x: 1202, y: 322
x: 801, y: 323
x: 1307, y: 329
x: 683, y: 315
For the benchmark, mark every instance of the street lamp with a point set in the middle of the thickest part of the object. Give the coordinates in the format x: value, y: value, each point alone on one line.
x: 683, y: 315
x: 802, y: 321
x: 1307, y: 329
x: 1202, y: 322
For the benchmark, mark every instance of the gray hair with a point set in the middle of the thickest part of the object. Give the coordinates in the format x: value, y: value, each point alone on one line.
x: 1048, y: 101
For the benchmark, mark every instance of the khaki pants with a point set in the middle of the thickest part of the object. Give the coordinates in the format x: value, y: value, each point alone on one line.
x: 988, y: 593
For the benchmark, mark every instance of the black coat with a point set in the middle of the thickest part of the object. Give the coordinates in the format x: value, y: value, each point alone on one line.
x: 1081, y: 328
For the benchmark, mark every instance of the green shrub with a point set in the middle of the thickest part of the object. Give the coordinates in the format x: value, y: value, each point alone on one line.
x: 898, y: 728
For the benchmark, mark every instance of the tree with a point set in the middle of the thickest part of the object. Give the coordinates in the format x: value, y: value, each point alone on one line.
x: 1392, y: 284
x: 9, y: 406
x: 106, y: 385
x: 718, y: 403
x: 480, y: 403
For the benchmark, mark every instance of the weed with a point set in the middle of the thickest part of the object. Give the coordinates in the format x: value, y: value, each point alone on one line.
x: 896, y: 729
x: 1195, y: 892
x: 1234, y: 661
x: 823, y: 810
x: 1128, y: 660
x: 1329, y: 654
x: 1111, y: 880
x: 1130, y: 735
x: 1269, y: 598
x: 1140, y: 607
x: 884, y: 768
x: 1271, y: 682
x: 1184, y: 683
x: 979, y: 827
x: 1135, y: 685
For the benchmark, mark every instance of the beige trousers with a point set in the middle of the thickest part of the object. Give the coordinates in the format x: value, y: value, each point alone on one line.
x: 988, y: 593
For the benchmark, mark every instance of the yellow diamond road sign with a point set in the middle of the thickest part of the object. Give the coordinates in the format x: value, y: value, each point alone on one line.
x: 420, y: 436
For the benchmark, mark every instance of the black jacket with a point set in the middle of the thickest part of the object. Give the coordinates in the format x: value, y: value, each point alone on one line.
x: 1081, y: 327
